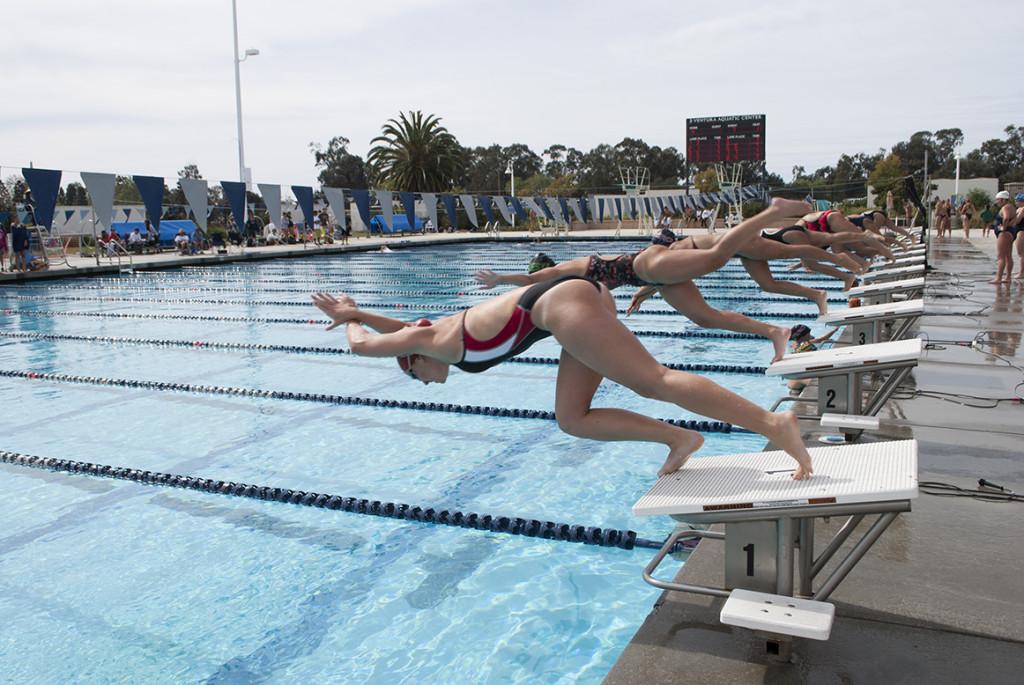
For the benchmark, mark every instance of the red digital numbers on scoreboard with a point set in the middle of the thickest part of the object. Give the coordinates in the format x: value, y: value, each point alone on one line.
x: 725, y: 139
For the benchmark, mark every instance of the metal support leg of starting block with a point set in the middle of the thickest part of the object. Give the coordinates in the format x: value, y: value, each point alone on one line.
x: 839, y: 394
x: 865, y: 333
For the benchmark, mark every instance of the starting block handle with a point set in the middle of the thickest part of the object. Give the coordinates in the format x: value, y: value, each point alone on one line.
x: 664, y: 551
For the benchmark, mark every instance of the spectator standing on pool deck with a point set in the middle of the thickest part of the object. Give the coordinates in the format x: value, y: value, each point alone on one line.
x: 19, y: 244
x: 890, y: 204
x: 966, y: 214
x: 152, y: 237
x: 3, y: 248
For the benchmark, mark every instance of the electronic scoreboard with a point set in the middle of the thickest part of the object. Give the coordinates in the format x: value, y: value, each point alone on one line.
x: 725, y: 139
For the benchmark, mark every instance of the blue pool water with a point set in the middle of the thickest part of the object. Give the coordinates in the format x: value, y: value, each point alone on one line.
x: 108, y: 581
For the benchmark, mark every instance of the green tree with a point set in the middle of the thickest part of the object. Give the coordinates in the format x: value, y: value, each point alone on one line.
x: 706, y: 181
x: 338, y: 167
x: 888, y: 175
x: 125, y: 191
x: 415, y: 152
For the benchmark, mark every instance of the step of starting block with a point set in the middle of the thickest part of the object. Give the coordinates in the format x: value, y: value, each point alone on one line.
x: 854, y: 421
x: 778, y: 614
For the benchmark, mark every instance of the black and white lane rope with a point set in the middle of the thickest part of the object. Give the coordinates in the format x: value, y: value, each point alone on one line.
x: 350, y: 400
x: 687, y: 333
x: 511, y: 525
x: 144, y: 291
x: 306, y: 349
x: 377, y: 305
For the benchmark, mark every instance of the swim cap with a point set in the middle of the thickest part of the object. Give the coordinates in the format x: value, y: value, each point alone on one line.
x: 665, y: 236
x: 1019, y: 197
x: 1003, y: 195
x: 405, y: 360
x: 540, y: 261
x: 798, y: 331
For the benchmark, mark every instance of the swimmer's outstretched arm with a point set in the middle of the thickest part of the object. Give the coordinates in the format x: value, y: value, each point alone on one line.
x: 639, y: 297
x: 489, y: 279
x: 343, y: 309
x: 574, y: 267
x: 407, y: 340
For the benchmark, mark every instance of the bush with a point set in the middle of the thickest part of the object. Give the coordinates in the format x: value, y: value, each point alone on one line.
x: 87, y: 246
x: 752, y: 208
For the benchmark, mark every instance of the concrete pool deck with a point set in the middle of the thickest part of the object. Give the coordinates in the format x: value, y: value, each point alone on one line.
x: 939, y: 599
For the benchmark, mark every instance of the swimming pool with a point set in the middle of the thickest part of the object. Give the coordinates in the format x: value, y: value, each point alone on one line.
x: 107, y: 581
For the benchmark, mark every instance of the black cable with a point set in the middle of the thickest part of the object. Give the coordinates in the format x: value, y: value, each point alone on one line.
x: 940, y: 489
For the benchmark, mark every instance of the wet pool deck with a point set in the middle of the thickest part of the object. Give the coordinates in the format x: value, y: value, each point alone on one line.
x: 940, y: 598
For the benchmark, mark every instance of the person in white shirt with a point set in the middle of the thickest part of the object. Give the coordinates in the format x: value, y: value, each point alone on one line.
x: 181, y: 241
x: 665, y: 220
x: 135, y: 241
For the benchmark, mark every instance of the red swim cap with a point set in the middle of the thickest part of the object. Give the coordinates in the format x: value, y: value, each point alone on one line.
x: 405, y: 360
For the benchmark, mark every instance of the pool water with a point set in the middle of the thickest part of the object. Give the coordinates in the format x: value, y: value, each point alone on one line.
x: 110, y: 581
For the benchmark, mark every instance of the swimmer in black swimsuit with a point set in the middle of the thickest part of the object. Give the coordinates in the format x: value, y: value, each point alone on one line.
x: 798, y: 235
x: 1006, y: 228
x: 658, y: 264
x: 595, y: 345
x: 685, y: 297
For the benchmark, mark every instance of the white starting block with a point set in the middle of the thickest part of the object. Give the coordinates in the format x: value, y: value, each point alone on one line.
x: 884, y: 291
x: 893, y: 273
x: 840, y: 373
x: 909, y: 260
x: 778, y: 614
x: 869, y: 323
x: 767, y: 515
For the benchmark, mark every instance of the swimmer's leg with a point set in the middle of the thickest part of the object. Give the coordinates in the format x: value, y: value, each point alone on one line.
x: 583, y: 321
x: 686, y: 299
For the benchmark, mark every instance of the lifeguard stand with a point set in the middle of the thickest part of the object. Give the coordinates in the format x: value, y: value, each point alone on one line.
x: 730, y: 180
x: 636, y: 181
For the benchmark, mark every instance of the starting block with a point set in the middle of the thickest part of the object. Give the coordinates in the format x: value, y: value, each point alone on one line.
x: 768, y: 516
x: 840, y: 374
x: 909, y: 260
x: 883, y: 292
x: 869, y: 323
x: 893, y: 273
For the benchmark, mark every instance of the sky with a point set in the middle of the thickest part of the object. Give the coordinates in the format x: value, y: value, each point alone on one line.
x: 147, y: 86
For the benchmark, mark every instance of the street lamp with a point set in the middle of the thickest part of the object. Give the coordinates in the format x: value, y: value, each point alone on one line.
x: 250, y: 52
x: 512, y: 172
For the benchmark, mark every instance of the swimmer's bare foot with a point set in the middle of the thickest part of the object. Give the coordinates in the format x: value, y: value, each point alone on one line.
x: 785, y: 434
x: 791, y: 207
x: 779, y: 337
x: 679, y: 452
x: 849, y: 282
x: 821, y: 299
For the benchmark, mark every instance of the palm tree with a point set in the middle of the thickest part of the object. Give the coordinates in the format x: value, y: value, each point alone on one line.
x: 416, y: 153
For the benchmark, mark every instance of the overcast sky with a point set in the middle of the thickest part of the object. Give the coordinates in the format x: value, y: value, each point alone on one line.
x: 147, y: 86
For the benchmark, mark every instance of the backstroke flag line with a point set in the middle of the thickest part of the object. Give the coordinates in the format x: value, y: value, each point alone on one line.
x: 101, y: 193
x: 197, y: 197
x: 271, y: 193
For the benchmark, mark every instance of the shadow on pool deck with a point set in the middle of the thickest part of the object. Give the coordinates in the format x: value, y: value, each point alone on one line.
x: 939, y: 599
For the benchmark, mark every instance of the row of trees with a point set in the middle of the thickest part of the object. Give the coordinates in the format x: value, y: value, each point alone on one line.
x: 416, y: 152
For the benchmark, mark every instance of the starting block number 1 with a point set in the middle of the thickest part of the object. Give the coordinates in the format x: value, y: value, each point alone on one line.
x: 750, y: 550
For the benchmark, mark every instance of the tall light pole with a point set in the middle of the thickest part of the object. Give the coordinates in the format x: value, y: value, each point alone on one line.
x: 250, y: 52
x: 510, y: 170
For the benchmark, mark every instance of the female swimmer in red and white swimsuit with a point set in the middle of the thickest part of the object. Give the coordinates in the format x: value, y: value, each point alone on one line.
x: 580, y: 314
